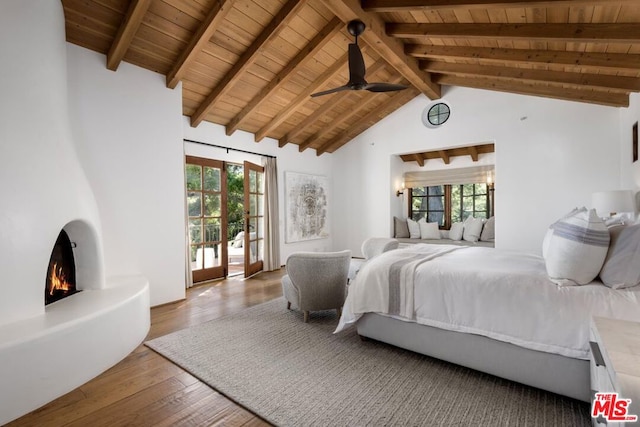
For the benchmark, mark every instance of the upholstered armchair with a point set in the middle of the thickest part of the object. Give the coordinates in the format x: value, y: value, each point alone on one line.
x: 370, y: 248
x: 316, y: 281
x: 376, y: 245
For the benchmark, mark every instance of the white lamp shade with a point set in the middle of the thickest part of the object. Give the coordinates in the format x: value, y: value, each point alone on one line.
x: 608, y: 202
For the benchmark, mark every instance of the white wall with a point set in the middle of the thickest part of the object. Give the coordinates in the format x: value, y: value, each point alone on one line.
x: 550, y: 156
x: 630, y: 179
x: 128, y: 131
x: 289, y: 160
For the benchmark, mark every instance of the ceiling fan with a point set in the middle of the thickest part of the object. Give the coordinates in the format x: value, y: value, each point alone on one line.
x: 357, y: 68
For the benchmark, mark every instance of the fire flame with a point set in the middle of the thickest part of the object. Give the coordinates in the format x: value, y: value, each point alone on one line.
x: 58, y: 280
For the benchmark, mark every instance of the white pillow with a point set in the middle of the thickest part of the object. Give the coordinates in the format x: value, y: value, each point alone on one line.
x: 429, y: 230
x: 455, y: 233
x: 549, y: 233
x: 621, y: 267
x: 577, y: 248
x: 489, y: 230
x: 414, y: 229
x: 472, y: 229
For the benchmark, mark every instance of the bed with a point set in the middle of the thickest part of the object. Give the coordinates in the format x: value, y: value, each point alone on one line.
x: 491, y: 310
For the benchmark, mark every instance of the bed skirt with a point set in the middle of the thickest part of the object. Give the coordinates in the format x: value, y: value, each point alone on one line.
x: 547, y: 371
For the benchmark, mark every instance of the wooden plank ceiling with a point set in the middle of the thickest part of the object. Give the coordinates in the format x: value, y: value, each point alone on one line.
x: 251, y: 65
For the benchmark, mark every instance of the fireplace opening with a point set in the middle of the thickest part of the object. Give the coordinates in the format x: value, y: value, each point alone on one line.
x: 61, y: 274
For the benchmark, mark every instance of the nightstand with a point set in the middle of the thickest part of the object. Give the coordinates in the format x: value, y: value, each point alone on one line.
x: 615, y: 363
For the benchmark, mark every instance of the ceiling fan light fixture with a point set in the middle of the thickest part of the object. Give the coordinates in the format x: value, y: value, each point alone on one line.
x: 357, y: 69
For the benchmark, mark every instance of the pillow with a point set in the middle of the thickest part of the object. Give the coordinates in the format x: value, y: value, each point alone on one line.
x: 429, y: 230
x: 238, y: 240
x: 621, y: 267
x: 489, y: 230
x: 401, y: 229
x: 472, y: 229
x: 577, y: 248
x: 414, y: 229
x: 455, y: 233
x: 549, y: 233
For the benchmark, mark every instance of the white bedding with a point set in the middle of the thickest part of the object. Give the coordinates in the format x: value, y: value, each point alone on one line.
x: 500, y: 294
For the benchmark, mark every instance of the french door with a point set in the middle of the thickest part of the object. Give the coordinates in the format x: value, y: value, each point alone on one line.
x: 206, y: 204
x: 254, y: 218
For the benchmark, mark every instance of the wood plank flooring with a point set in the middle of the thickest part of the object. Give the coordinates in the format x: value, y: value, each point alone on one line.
x: 145, y: 389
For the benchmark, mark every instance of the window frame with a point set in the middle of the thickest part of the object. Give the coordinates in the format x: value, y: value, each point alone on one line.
x: 448, y: 202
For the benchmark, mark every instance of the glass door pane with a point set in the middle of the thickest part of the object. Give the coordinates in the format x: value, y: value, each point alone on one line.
x: 205, y: 205
x: 254, y: 218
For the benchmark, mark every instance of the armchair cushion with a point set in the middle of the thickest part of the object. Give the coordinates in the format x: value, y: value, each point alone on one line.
x: 316, y: 280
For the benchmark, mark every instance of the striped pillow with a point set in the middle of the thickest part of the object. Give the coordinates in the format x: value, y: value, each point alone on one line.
x: 577, y: 248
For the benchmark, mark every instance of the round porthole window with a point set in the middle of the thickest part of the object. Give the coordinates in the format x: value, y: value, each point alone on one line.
x: 436, y: 114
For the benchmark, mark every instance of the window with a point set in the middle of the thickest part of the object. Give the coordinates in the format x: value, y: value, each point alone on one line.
x: 469, y: 200
x: 446, y: 204
x: 429, y: 203
x: 436, y: 114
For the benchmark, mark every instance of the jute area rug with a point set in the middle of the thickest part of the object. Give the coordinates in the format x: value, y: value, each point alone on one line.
x: 295, y: 374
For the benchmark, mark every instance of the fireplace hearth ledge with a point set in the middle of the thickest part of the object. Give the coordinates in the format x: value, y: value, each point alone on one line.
x: 76, y: 339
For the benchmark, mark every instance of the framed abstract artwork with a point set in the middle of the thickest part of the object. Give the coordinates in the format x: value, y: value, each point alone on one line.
x: 306, y: 206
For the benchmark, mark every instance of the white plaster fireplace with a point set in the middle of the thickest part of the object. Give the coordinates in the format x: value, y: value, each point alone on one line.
x: 48, y: 351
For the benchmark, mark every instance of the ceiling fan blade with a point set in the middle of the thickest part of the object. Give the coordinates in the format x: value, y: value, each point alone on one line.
x: 383, y: 87
x: 327, y: 92
x: 356, y: 65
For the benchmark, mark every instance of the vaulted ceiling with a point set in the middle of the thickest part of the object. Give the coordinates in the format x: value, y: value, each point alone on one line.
x: 252, y: 64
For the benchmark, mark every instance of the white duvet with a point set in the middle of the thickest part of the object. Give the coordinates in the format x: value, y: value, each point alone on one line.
x: 500, y: 294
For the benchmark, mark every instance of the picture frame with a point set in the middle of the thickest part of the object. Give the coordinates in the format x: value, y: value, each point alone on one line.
x: 634, y: 142
x: 306, y: 204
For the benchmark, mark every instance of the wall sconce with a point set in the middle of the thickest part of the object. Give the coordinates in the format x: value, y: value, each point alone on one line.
x: 490, y: 180
x: 399, y: 192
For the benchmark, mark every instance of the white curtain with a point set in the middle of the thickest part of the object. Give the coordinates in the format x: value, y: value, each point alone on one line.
x: 271, y: 259
x: 188, y: 276
x: 475, y: 174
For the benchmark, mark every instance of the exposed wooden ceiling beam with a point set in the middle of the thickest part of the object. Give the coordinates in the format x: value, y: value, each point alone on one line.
x: 408, y: 5
x: 312, y: 118
x: 613, y: 99
x: 473, y: 152
x: 618, y: 61
x: 302, y: 98
x: 419, y: 159
x: 215, y: 16
x: 339, y: 120
x: 388, y: 48
x: 394, y: 102
x: 602, y: 33
x: 314, y: 46
x: 279, y: 21
x: 603, y: 81
x: 126, y: 32
x: 444, y: 156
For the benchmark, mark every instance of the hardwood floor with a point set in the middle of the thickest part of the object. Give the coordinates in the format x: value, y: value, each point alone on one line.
x: 145, y: 389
